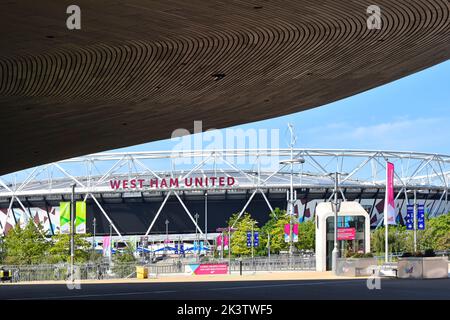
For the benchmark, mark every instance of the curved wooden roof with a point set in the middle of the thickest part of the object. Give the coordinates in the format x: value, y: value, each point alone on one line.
x: 139, y: 69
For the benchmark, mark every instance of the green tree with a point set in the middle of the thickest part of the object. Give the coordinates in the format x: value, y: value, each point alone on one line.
x: 25, y: 246
x: 274, y: 227
x: 239, y: 237
x: 2, y: 250
x: 59, y: 251
x: 124, y: 261
x: 306, y: 235
x: 397, y: 236
x: 436, y: 234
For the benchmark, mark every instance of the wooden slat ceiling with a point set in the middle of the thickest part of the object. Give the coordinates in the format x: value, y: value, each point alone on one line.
x: 139, y: 69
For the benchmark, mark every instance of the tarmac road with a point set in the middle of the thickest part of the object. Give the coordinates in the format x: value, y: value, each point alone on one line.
x: 236, y: 290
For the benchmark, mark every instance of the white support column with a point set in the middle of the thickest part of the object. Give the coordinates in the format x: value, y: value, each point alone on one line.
x: 157, y: 213
x: 69, y: 175
x: 106, y: 215
x: 245, y: 207
x: 433, y: 214
x: 189, y: 214
x: 267, y: 200
x: 7, y: 213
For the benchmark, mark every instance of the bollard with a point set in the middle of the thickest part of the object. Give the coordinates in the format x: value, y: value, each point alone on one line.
x: 240, y: 267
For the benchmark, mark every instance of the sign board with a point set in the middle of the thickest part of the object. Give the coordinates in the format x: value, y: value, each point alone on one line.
x: 346, y: 234
x: 207, y: 268
x: 420, y: 217
x: 409, y: 219
x: 255, y: 239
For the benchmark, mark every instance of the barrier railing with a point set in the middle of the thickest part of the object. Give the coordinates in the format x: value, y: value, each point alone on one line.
x: 128, y: 270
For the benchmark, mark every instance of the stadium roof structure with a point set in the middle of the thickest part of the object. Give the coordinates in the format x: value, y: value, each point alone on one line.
x: 137, y: 70
x: 254, y: 170
x: 263, y: 173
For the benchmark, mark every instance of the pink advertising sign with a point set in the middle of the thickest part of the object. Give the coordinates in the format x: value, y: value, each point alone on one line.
x: 346, y: 234
x: 210, y: 268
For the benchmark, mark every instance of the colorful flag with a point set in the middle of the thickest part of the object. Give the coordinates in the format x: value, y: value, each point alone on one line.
x: 64, y: 217
x: 80, y: 217
x: 106, y: 246
x: 389, y: 204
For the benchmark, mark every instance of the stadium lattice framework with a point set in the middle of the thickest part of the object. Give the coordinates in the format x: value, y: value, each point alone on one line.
x: 259, y: 184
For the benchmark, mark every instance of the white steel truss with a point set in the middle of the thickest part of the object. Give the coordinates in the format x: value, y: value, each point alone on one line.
x: 92, y: 174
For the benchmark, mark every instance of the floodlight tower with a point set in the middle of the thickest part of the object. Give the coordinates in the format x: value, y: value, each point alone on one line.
x: 292, y: 195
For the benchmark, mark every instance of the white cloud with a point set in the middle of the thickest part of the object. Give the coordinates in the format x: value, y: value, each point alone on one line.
x: 420, y: 134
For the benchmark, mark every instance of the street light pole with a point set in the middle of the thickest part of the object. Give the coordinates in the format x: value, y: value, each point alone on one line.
x: 93, y: 240
x: 291, y: 198
x: 72, y: 226
x: 206, y: 217
x: 167, y: 235
x: 335, y: 253
x: 196, y: 236
x: 110, y: 244
x: 229, y: 249
x: 415, y: 221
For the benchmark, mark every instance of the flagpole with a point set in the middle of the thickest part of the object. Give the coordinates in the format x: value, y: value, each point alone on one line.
x: 386, y: 222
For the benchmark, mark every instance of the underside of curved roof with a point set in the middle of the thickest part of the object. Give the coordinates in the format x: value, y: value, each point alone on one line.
x: 139, y: 69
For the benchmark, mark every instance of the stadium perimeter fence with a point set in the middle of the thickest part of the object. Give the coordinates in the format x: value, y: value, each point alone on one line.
x: 128, y: 270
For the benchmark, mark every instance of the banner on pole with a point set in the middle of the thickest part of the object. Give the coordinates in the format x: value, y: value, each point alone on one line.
x: 420, y: 217
x: 64, y: 217
x: 409, y: 219
x: 80, y: 217
x: 106, y: 246
x: 287, y: 232
x: 389, y: 204
x: 295, y: 231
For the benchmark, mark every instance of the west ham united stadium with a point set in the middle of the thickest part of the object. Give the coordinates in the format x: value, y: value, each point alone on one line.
x: 196, y: 191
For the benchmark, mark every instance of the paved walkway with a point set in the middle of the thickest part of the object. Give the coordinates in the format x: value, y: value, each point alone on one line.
x: 259, y: 276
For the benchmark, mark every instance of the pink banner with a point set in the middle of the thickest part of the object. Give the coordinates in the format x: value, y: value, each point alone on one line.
x: 389, y: 204
x: 346, y: 234
x: 295, y: 229
x: 287, y: 229
x: 221, y: 268
x: 219, y: 240
x: 106, y: 245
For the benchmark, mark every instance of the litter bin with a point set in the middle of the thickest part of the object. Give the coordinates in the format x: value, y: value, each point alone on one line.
x: 5, y: 275
x: 141, y: 272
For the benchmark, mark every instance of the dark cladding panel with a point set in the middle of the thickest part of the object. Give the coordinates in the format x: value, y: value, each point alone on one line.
x: 135, y: 218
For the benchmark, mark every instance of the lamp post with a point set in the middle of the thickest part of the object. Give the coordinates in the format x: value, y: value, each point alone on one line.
x: 196, y: 236
x: 167, y: 235
x: 229, y: 249
x: 72, y: 226
x: 335, y: 252
x: 110, y: 244
x: 292, y: 198
x: 93, y: 240
x: 206, y: 217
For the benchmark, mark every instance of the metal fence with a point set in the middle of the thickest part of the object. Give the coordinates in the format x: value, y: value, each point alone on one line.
x: 62, y: 272
x: 128, y: 270
x: 245, y: 265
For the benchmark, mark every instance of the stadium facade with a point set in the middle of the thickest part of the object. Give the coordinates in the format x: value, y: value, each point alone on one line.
x: 142, y: 193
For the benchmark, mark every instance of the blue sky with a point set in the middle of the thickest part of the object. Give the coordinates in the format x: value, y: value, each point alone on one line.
x: 410, y: 114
